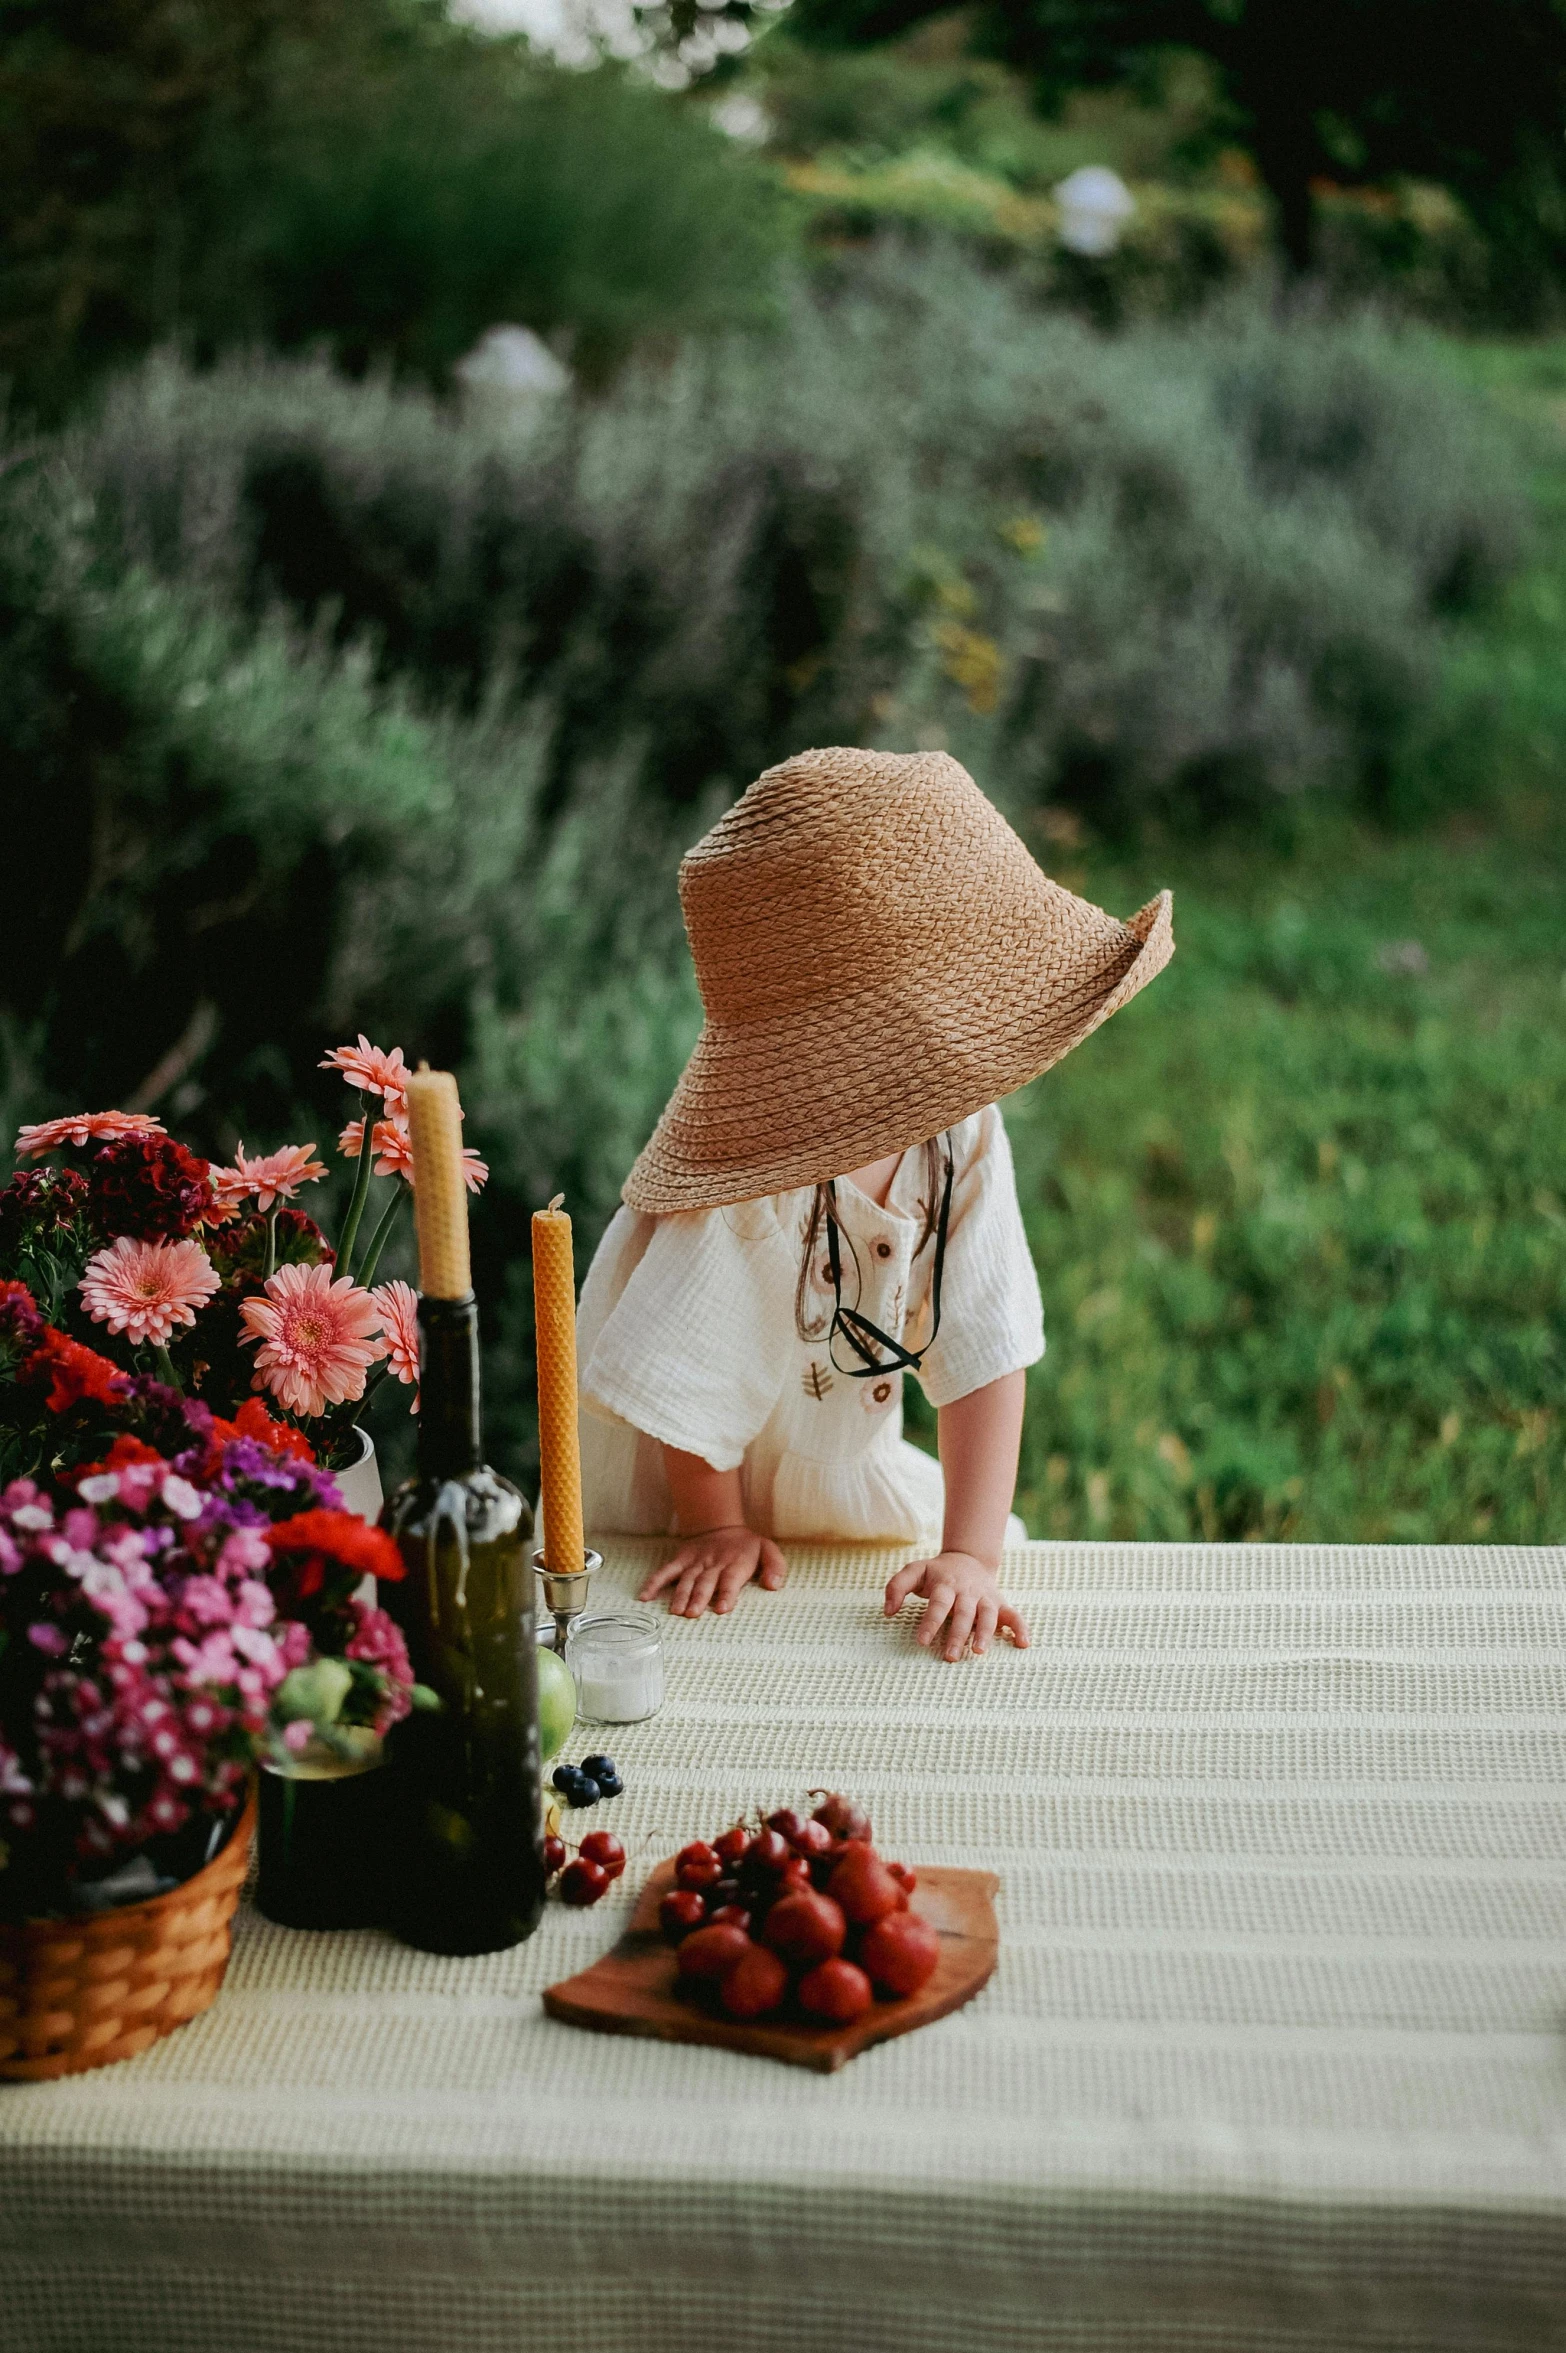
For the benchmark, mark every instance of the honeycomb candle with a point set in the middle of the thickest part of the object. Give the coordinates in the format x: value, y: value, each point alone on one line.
x: 559, y: 1443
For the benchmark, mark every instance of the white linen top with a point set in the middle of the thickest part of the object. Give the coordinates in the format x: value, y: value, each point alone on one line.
x: 686, y: 1335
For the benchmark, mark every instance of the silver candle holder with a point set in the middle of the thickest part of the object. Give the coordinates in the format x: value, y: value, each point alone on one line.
x: 565, y: 1593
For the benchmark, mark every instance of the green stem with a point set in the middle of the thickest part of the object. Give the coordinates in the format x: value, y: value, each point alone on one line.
x: 271, y: 1242
x: 165, y: 1364
x: 361, y: 1188
x: 381, y: 1236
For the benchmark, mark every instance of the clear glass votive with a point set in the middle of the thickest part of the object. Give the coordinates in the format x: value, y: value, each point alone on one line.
x: 616, y: 1657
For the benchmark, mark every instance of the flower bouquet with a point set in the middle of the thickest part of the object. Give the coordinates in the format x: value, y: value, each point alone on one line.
x: 134, y: 1275
x: 167, y: 1622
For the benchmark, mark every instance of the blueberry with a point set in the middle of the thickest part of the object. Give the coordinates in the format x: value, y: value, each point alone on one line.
x: 584, y: 1790
x: 609, y: 1784
x: 600, y: 1767
x: 563, y: 1776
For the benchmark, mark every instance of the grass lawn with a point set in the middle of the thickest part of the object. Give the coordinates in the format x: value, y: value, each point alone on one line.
x: 1300, y: 1210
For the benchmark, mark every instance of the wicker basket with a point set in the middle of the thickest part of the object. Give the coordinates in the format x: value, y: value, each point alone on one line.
x: 81, y: 1993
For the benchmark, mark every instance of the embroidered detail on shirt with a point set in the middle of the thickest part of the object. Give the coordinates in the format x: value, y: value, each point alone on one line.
x: 816, y: 1380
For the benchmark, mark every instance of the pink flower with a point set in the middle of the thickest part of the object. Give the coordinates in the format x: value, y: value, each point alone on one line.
x: 364, y: 1066
x: 394, y: 1152
x: 392, y: 1144
x: 272, y: 1176
x: 397, y: 1305
x: 318, y: 1338
x: 48, y: 1135
x: 147, y: 1289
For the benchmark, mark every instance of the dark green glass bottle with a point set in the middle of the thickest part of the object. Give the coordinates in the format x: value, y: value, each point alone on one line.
x: 465, y: 1863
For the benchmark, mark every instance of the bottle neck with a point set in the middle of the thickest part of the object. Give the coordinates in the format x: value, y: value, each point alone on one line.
x: 450, y: 1438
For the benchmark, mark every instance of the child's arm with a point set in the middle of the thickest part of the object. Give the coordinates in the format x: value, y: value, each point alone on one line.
x: 720, y: 1556
x: 980, y: 1435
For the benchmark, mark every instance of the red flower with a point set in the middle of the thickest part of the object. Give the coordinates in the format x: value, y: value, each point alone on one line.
x: 149, y: 1187
x: 123, y: 1455
x: 253, y: 1421
x: 74, y: 1372
x: 313, y: 1540
x: 21, y: 1325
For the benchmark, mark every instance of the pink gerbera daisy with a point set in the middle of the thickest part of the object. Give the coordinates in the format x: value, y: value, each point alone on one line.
x: 397, y: 1305
x: 147, y: 1289
x: 271, y: 1176
x: 318, y: 1338
x: 364, y: 1066
x: 394, y: 1152
x: 48, y: 1135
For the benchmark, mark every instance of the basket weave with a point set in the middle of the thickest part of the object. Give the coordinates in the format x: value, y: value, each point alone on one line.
x: 82, y: 1993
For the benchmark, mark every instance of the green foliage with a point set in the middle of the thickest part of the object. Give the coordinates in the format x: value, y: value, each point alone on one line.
x: 1297, y: 1212
x: 1338, y: 91
x: 1184, y: 572
x: 358, y: 174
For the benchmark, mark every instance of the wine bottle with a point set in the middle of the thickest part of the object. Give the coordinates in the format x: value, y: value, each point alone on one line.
x: 465, y: 1864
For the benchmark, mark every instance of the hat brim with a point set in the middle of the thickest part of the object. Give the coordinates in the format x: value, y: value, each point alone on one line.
x: 866, y: 1074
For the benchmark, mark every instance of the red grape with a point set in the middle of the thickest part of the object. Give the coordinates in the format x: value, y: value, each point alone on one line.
x: 681, y: 1910
x: 900, y: 1952
x: 756, y: 1983
x: 836, y: 1990
x: 805, y: 1928
x: 863, y: 1886
x: 714, y: 1950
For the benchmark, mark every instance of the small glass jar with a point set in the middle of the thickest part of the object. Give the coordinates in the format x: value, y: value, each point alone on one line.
x: 616, y: 1656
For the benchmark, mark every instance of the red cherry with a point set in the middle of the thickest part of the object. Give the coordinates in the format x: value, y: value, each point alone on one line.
x: 863, y: 1886
x: 903, y: 1876
x: 836, y: 1990
x: 582, y: 1883
x: 842, y: 1816
x: 794, y: 1874
x: 602, y: 1847
x: 786, y: 1823
x: 681, y: 1910
x: 755, y: 1984
x: 900, y: 1952
x: 722, y: 1891
x: 768, y: 1851
x: 734, y: 1914
x: 805, y: 1928
x: 733, y: 1845
x: 692, y: 1870
x: 714, y: 1950
x: 554, y: 1854
x: 813, y: 1840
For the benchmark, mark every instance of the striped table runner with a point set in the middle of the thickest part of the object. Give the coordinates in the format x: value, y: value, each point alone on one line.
x: 1275, y: 2057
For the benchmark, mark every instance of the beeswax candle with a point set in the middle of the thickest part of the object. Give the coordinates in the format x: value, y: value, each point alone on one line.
x: 560, y: 1458
x: 440, y: 1200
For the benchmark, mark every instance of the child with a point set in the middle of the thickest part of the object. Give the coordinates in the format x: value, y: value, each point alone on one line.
x: 828, y: 1200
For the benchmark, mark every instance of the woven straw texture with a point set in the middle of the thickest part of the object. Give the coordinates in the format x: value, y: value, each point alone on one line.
x: 84, y: 1993
x: 879, y: 958
x: 1272, y: 2059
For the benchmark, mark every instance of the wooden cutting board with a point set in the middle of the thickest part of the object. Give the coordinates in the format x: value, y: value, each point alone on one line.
x: 633, y: 1989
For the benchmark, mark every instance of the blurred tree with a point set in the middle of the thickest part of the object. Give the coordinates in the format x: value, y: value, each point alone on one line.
x: 360, y: 173
x: 1343, y: 89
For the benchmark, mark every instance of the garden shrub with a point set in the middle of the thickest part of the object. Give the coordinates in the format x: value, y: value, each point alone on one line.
x: 1186, y: 570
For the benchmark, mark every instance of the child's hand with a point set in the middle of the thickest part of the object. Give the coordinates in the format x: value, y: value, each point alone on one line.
x: 961, y: 1594
x: 712, y: 1570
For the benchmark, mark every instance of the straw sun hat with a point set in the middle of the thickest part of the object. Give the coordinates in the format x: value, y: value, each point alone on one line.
x: 879, y: 958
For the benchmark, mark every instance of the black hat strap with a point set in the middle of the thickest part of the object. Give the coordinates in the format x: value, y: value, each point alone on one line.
x: 864, y: 1337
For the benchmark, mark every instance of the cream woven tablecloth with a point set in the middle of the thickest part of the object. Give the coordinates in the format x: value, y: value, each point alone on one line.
x: 1274, y: 2057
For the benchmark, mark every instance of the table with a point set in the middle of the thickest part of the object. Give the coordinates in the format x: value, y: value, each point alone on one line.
x: 1273, y: 2058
